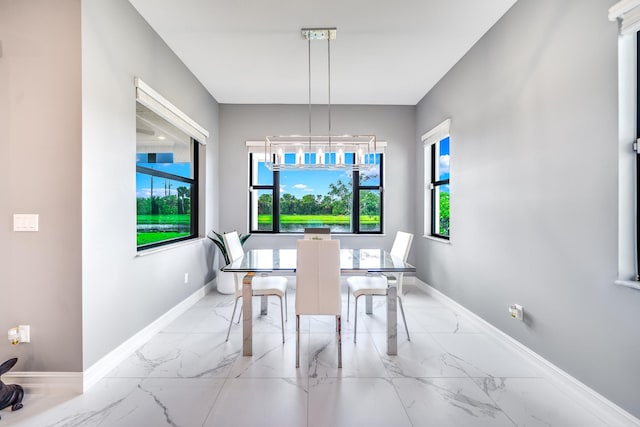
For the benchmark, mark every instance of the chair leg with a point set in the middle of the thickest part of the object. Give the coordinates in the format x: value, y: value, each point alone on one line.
x: 297, y: 340
x: 281, y: 318
x: 348, y: 295
x: 239, y: 316
x: 231, y: 320
x: 339, y: 326
x: 404, y: 319
x: 286, y: 304
x: 355, y: 316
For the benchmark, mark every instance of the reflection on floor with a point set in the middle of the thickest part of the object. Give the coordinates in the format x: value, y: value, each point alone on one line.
x: 451, y: 373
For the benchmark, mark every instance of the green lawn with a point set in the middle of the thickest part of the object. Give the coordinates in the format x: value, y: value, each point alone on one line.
x: 323, y: 219
x: 147, y: 238
x: 159, y: 236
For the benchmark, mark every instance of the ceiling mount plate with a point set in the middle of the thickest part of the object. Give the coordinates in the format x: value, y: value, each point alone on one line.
x: 319, y: 33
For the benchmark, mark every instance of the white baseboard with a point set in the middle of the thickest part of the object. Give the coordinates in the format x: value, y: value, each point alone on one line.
x: 606, y: 410
x: 103, y: 366
x: 79, y: 382
x: 46, y: 382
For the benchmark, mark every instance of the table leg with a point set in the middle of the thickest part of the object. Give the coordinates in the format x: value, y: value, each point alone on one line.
x: 247, y: 312
x: 368, y: 304
x: 392, y: 321
x: 263, y: 305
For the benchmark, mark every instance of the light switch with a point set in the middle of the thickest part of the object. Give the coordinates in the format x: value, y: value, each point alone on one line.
x: 25, y: 222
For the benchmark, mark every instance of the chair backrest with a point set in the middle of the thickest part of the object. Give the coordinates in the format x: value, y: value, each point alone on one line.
x: 401, y: 247
x: 235, y: 252
x: 317, y: 233
x: 318, y: 277
x: 234, y: 246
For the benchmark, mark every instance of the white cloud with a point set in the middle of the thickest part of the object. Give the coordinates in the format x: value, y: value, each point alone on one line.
x: 282, y: 190
x: 444, y: 164
x: 300, y: 186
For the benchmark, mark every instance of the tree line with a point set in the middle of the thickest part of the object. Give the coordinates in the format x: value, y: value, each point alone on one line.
x: 337, y: 201
x: 170, y: 204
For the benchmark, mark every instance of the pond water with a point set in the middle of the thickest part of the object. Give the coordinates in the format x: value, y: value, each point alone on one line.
x: 154, y: 228
x: 335, y: 228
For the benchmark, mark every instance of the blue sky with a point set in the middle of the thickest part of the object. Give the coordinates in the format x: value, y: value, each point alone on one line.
x: 444, y: 159
x: 300, y: 182
x: 143, y: 182
x: 443, y: 163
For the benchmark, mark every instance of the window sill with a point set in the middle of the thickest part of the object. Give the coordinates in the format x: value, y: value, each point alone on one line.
x: 628, y: 283
x: 169, y: 247
x: 333, y: 235
x: 437, y: 239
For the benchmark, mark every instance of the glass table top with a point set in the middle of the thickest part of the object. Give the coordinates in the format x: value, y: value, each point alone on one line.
x: 351, y: 260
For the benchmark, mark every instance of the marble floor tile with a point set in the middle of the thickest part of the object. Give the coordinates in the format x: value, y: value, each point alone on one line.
x: 480, y: 355
x: 182, y: 356
x: 358, y: 360
x: 271, y: 358
x: 451, y: 373
x: 536, y: 402
x: 350, y: 402
x: 440, y: 319
x: 260, y: 402
x: 421, y: 357
x: 38, y: 404
x: 134, y: 402
x: 448, y: 402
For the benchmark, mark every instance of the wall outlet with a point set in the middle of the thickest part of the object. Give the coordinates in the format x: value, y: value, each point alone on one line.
x: 516, y: 311
x: 25, y: 333
x: 20, y: 334
x: 186, y: 278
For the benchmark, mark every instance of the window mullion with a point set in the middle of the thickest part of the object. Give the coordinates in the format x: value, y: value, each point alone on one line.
x: 275, y: 213
x: 355, y: 201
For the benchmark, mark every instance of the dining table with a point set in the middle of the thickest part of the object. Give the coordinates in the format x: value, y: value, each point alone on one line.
x: 352, y: 262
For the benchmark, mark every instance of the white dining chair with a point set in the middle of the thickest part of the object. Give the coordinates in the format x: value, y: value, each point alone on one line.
x: 379, y: 284
x: 262, y: 285
x: 318, y: 285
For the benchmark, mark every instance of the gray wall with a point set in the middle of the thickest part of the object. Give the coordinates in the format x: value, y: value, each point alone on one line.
x: 121, y: 293
x: 67, y: 137
x: 534, y: 191
x: 40, y: 145
x: 241, y: 123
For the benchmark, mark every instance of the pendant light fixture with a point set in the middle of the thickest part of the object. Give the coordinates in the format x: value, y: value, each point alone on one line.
x: 321, y: 151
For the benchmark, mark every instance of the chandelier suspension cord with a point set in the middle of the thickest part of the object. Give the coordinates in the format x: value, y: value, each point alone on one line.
x: 329, y: 80
x: 309, y: 44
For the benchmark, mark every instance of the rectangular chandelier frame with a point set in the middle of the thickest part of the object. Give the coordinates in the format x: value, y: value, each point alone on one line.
x: 330, y: 151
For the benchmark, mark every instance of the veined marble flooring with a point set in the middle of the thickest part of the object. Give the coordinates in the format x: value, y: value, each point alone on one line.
x: 451, y: 373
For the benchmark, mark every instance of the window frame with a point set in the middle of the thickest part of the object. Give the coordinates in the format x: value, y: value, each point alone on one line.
x: 195, y: 191
x: 355, y: 208
x: 430, y: 140
x: 434, y: 186
x: 164, y: 109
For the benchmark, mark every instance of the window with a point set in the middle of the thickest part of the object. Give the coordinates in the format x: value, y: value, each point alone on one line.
x: 288, y: 200
x: 166, y: 181
x: 437, y: 175
x: 629, y: 132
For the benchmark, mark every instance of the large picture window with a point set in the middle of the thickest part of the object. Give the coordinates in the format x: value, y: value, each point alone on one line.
x: 288, y: 200
x: 166, y: 181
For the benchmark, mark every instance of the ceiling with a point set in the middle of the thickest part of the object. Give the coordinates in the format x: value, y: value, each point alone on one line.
x: 385, y: 53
